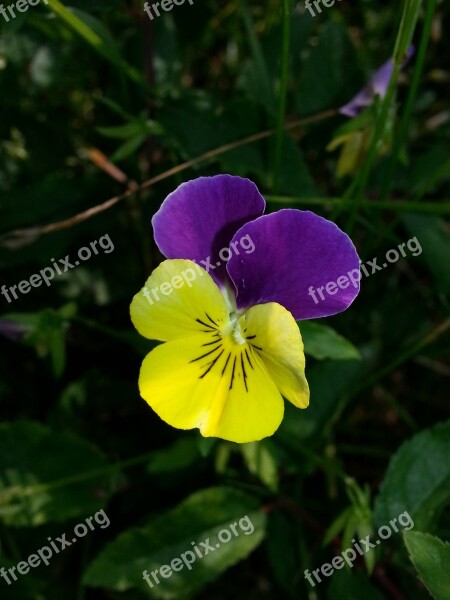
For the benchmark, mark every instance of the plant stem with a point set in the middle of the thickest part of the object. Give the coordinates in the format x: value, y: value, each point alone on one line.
x: 282, y: 97
x: 405, y: 32
x: 403, y: 129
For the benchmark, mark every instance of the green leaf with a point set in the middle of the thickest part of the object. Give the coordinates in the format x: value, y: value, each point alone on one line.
x: 199, y: 518
x: 260, y: 461
x: 330, y: 382
x: 431, y: 558
x: 352, y: 585
x: 181, y: 455
x: 328, y: 73
x: 47, y: 476
x: 131, y: 129
x: 434, y: 240
x: 417, y: 479
x: 323, y: 342
x: 129, y: 147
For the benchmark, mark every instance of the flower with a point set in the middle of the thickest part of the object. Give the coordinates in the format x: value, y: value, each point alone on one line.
x: 232, y: 346
x: 377, y: 86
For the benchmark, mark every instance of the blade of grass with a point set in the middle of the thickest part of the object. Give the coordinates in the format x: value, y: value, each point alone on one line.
x: 403, y: 129
x: 258, y: 58
x: 95, y: 41
x: 438, y: 208
x: 282, y: 95
x: 404, y: 36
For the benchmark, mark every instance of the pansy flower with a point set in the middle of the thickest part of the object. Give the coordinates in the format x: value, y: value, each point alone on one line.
x: 226, y: 303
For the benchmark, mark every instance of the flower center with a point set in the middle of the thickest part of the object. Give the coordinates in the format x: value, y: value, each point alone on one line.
x: 234, y: 329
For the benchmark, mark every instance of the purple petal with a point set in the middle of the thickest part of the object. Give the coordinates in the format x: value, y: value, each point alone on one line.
x: 12, y: 331
x: 295, y: 252
x: 200, y: 218
x: 377, y: 86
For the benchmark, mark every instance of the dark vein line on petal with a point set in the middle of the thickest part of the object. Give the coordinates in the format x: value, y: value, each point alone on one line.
x: 210, y: 327
x: 213, y: 342
x: 204, y: 355
x: 232, y: 374
x: 212, y: 364
x: 257, y: 347
x: 244, y: 373
x: 212, y: 320
x: 226, y: 363
x: 248, y: 358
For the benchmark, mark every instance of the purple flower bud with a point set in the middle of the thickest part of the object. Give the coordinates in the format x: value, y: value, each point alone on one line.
x: 377, y: 86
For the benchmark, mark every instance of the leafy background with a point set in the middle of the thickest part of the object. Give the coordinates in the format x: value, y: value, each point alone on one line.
x: 96, y: 100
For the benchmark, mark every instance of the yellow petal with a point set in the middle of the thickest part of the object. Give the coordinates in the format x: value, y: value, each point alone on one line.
x: 212, y: 383
x: 179, y: 299
x: 273, y: 330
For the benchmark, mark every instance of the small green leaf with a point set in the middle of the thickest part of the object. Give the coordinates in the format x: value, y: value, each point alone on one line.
x: 323, y: 342
x: 260, y: 461
x: 417, y: 479
x: 200, y: 518
x: 181, y: 455
x: 431, y: 558
x: 129, y: 147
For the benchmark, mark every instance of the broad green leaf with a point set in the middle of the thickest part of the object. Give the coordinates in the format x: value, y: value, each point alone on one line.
x: 417, y: 479
x: 260, y: 461
x: 47, y: 476
x: 431, y: 558
x: 323, y: 342
x: 199, y: 518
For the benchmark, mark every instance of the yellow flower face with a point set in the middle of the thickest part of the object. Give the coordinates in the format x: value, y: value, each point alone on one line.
x: 219, y: 370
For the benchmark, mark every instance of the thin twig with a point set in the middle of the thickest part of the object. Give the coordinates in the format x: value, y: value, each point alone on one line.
x: 30, y: 234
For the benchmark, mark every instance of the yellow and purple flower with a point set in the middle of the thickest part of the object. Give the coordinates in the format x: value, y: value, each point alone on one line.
x: 232, y: 347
